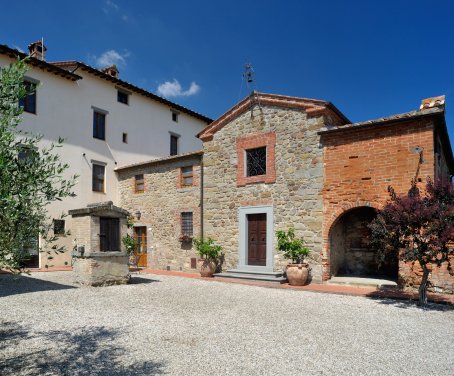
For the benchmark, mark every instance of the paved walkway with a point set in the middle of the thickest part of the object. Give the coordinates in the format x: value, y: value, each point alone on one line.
x: 323, y: 288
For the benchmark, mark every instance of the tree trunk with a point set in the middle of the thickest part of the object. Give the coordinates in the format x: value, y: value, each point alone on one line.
x: 423, y: 286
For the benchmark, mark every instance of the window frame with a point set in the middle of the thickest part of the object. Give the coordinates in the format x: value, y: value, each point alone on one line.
x: 176, y: 138
x: 175, y: 116
x: 124, y: 138
x: 121, y: 93
x: 187, y: 229
x: 246, y: 161
x: 187, y: 176
x: 99, y: 130
x: 136, y: 183
x: 24, y: 102
x: 96, y: 179
x: 60, y: 230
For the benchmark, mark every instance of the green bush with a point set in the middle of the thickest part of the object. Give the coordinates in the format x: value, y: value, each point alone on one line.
x: 207, y: 249
x: 291, y: 247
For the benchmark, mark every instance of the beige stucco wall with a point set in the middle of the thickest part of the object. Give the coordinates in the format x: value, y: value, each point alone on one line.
x: 160, y: 207
x: 64, y: 109
x: 295, y: 196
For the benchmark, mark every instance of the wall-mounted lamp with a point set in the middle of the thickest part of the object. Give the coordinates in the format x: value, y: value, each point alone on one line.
x: 138, y: 214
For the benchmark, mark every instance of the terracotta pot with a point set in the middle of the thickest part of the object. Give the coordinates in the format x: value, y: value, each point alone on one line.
x: 297, y: 274
x: 207, y: 268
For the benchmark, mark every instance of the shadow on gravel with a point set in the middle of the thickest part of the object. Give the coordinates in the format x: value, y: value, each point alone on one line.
x: 405, y: 304
x: 20, y: 284
x: 139, y: 280
x: 79, y: 353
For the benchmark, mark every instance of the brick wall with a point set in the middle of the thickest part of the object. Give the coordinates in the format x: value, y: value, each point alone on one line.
x: 359, y: 166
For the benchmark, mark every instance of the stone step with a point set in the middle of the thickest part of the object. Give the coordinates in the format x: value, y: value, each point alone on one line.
x: 362, y: 282
x: 269, y: 277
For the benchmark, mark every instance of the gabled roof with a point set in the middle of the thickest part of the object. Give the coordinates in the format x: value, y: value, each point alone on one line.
x: 73, y: 65
x: 312, y: 107
x: 5, y: 50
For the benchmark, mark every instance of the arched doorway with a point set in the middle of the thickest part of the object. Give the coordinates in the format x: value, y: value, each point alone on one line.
x: 350, y: 251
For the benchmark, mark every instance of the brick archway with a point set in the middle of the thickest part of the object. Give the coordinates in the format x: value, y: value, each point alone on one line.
x: 330, y: 222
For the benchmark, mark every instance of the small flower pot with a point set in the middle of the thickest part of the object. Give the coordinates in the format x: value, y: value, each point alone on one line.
x: 297, y: 274
x: 207, y: 268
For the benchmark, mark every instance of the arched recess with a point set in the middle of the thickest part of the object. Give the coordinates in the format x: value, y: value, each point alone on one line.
x: 349, y: 250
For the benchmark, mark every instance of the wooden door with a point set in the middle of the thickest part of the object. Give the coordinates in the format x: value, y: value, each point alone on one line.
x: 141, y: 250
x: 257, y: 239
x: 109, y: 234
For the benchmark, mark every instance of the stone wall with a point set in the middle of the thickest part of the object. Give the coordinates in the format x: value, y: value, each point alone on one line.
x: 161, y: 205
x: 294, y: 191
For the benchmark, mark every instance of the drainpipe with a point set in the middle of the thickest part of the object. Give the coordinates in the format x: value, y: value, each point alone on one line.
x: 201, y: 197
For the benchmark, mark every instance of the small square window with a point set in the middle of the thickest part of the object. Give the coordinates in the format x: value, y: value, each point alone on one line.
x: 187, y: 176
x: 99, y: 125
x: 125, y: 138
x: 122, y: 97
x: 187, y: 228
x: 256, y: 161
x: 59, y: 227
x: 175, y: 116
x: 173, y: 144
x: 28, y: 101
x: 99, y: 172
x: 139, y: 183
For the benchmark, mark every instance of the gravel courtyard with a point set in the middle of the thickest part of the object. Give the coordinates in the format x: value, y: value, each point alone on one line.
x: 178, y: 326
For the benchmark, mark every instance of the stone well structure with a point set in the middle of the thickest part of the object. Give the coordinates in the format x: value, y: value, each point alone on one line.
x: 100, y: 257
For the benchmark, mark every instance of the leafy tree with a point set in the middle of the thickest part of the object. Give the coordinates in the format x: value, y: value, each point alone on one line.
x: 291, y: 247
x: 417, y: 227
x: 31, y: 177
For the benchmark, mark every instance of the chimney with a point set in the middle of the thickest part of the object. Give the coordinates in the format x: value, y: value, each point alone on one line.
x: 111, y: 71
x: 432, y: 102
x: 37, y: 50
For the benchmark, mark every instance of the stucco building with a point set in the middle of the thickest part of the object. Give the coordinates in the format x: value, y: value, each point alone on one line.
x: 273, y: 162
x: 106, y: 122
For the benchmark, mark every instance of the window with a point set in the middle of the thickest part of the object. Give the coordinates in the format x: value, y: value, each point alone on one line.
x: 175, y: 116
x: 173, y: 144
x: 109, y: 234
x: 27, y: 155
x: 28, y: 102
x: 59, y: 227
x: 186, y: 176
x: 256, y: 162
x: 122, y: 97
x: 99, y: 125
x: 125, y: 138
x: 139, y: 184
x: 186, y: 224
x: 98, y: 178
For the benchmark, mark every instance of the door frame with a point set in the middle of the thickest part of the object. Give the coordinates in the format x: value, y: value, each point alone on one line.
x: 243, y: 238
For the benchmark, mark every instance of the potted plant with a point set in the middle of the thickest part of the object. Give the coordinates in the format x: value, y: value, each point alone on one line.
x: 209, y: 253
x: 294, y: 250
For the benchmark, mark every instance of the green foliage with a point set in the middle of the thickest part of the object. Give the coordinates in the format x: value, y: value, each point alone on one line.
x: 207, y: 249
x: 292, y: 248
x: 130, y: 243
x: 31, y: 177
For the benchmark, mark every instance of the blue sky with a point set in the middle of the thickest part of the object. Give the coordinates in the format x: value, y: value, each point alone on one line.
x: 370, y: 58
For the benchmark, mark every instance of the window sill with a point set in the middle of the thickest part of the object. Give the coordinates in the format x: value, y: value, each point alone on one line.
x: 185, y: 239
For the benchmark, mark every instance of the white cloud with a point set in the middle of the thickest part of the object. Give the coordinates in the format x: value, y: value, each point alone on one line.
x: 111, y: 57
x: 111, y: 4
x: 174, y: 89
x: 111, y: 8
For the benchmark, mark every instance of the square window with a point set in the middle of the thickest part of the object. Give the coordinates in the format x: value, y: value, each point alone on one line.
x: 187, y: 176
x: 175, y: 116
x: 99, y: 125
x: 122, y: 97
x: 139, y: 183
x: 187, y: 224
x: 173, y: 144
x: 59, y: 227
x: 125, y: 138
x: 99, y: 172
x: 256, y: 161
x: 28, y: 101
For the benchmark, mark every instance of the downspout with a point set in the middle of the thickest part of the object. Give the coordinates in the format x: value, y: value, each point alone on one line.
x: 201, y: 197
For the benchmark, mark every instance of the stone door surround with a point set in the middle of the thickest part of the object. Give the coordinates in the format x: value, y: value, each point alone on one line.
x: 243, y: 238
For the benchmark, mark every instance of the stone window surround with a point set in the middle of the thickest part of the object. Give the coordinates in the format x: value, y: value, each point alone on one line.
x: 195, y: 177
x: 243, y: 231
x: 254, y: 141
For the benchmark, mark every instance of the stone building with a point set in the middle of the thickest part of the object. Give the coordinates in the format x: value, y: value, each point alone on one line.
x: 273, y: 162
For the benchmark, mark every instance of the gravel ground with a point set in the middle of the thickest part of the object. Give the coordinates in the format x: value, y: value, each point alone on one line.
x: 178, y: 326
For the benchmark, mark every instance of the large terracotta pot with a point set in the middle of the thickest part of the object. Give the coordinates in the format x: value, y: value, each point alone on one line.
x: 207, y: 268
x: 297, y: 274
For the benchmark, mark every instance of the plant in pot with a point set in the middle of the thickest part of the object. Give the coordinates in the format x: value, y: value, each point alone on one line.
x: 294, y: 250
x: 130, y: 243
x: 209, y: 253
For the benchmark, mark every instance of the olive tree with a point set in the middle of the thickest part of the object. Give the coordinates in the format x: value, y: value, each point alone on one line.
x: 31, y: 177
